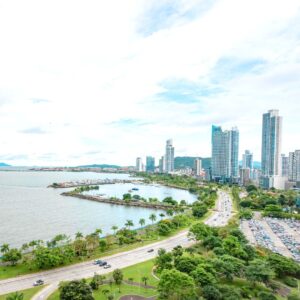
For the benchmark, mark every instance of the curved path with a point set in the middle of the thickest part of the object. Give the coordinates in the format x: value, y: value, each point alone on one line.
x: 220, y: 217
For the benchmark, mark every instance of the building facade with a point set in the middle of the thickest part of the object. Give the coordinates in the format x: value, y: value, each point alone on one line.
x: 197, y: 167
x: 139, y: 164
x: 294, y: 166
x: 169, y: 156
x: 150, y: 164
x: 271, y: 148
x: 284, y: 165
x: 162, y: 165
x: 225, y: 150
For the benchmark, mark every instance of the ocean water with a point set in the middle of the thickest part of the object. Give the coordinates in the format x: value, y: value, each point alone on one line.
x: 30, y: 211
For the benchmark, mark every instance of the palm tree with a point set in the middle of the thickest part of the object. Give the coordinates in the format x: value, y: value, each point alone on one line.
x: 98, y: 231
x: 161, y: 215
x: 15, y: 296
x: 4, y: 248
x: 169, y: 212
x: 114, y: 228
x: 78, y: 235
x: 105, y: 292
x: 152, y: 217
x: 129, y: 224
x: 145, y: 279
x: 142, y: 222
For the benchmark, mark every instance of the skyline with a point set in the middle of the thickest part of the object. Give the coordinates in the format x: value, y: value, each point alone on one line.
x: 90, y: 83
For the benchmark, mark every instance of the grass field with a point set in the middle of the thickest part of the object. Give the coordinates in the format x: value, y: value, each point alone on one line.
x: 114, y: 290
x: 27, y: 293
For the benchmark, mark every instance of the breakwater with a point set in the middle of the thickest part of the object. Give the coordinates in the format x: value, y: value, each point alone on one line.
x: 131, y: 203
x: 71, y: 184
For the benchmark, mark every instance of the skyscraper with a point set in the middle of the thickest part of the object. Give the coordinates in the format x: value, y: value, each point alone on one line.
x: 150, y: 164
x: 169, y: 157
x: 294, y: 166
x: 284, y: 165
x: 248, y: 160
x: 225, y: 150
x: 197, y: 166
x: 139, y: 164
x: 271, y: 149
x: 162, y: 165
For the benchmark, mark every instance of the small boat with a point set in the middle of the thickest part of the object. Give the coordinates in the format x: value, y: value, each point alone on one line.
x: 135, y: 189
x: 130, y: 191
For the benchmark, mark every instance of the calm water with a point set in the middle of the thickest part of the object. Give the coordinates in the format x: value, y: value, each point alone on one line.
x: 29, y: 210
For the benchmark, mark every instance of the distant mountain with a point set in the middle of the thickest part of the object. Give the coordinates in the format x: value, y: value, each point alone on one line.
x: 4, y: 165
x: 182, y: 162
x: 100, y: 166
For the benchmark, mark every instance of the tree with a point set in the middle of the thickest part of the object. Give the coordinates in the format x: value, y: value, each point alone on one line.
x: 199, y: 210
x: 12, y: 256
x: 127, y: 197
x: 145, y: 279
x: 4, y: 248
x: 161, y: 215
x: 169, y: 212
x: 105, y: 292
x: 266, y: 296
x: 200, y: 231
x: 129, y: 224
x: 259, y: 271
x: 15, y: 296
x: 283, y: 266
x: 142, y: 222
x: 163, y: 260
x: 114, y: 228
x: 210, y: 292
x: 118, y: 277
x: 102, y: 245
x: 76, y: 289
x: 78, y: 235
x: 152, y: 217
x: 203, y: 277
x: 176, y: 285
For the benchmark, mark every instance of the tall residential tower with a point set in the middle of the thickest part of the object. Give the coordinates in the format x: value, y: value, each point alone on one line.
x: 169, y: 157
x: 225, y: 150
x: 271, y: 149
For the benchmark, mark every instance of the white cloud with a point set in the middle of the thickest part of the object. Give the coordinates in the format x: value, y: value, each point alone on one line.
x: 72, y: 70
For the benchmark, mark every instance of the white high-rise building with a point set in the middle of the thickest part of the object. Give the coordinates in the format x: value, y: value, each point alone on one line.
x: 271, y: 149
x: 169, y: 157
x: 198, y: 166
x: 139, y: 164
x: 162, y: 165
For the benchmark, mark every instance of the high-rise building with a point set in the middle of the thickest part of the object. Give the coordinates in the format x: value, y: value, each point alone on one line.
x: 169, y: 157
x: 284, y: 165
x: 247, y: 160
x: 225, y: 150
x: 294, y: 166
x: 162, y: 165
x: 139, y: 164
x: 271, y: 149
x: 197, y: 166
x: 150, y: 164
x: 245, y: 176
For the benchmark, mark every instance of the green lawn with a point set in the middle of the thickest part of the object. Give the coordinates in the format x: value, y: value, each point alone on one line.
x: 139, y: 270
x: 114, y: 290
x: 27, y: 293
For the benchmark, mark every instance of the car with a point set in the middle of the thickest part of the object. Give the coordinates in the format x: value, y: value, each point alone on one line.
x: 107, y: 266
x: 102, y: 264
x: 150, y: 250
x: 98, y: 262
x: 38, y: 282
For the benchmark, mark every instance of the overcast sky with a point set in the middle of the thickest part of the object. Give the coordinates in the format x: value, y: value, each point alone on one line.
x: 106, y: 81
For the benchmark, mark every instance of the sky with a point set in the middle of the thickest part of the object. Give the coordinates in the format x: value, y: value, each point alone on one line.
x: 107, y: 81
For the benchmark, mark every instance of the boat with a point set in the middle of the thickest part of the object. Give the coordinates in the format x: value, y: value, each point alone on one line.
x: 130, y: 191
x: 135, y: 189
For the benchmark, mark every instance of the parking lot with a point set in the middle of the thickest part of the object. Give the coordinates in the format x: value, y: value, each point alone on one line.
x: 279, y: 235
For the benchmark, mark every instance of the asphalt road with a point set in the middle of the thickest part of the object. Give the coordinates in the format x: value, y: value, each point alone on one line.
x: 51, y: 278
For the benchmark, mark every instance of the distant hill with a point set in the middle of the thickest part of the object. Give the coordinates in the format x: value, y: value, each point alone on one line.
x: 182, y: 162
x: 4, y: 165
x: 100, y: 166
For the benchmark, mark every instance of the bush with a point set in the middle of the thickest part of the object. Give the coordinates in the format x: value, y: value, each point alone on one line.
x: 292, y: 282
x: 266, y: 296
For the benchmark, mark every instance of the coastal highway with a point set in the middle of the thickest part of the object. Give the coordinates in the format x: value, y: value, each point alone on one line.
x: 51, y: 278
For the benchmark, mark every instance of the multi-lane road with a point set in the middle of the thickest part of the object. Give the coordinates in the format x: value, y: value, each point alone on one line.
x: 220, y: 217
